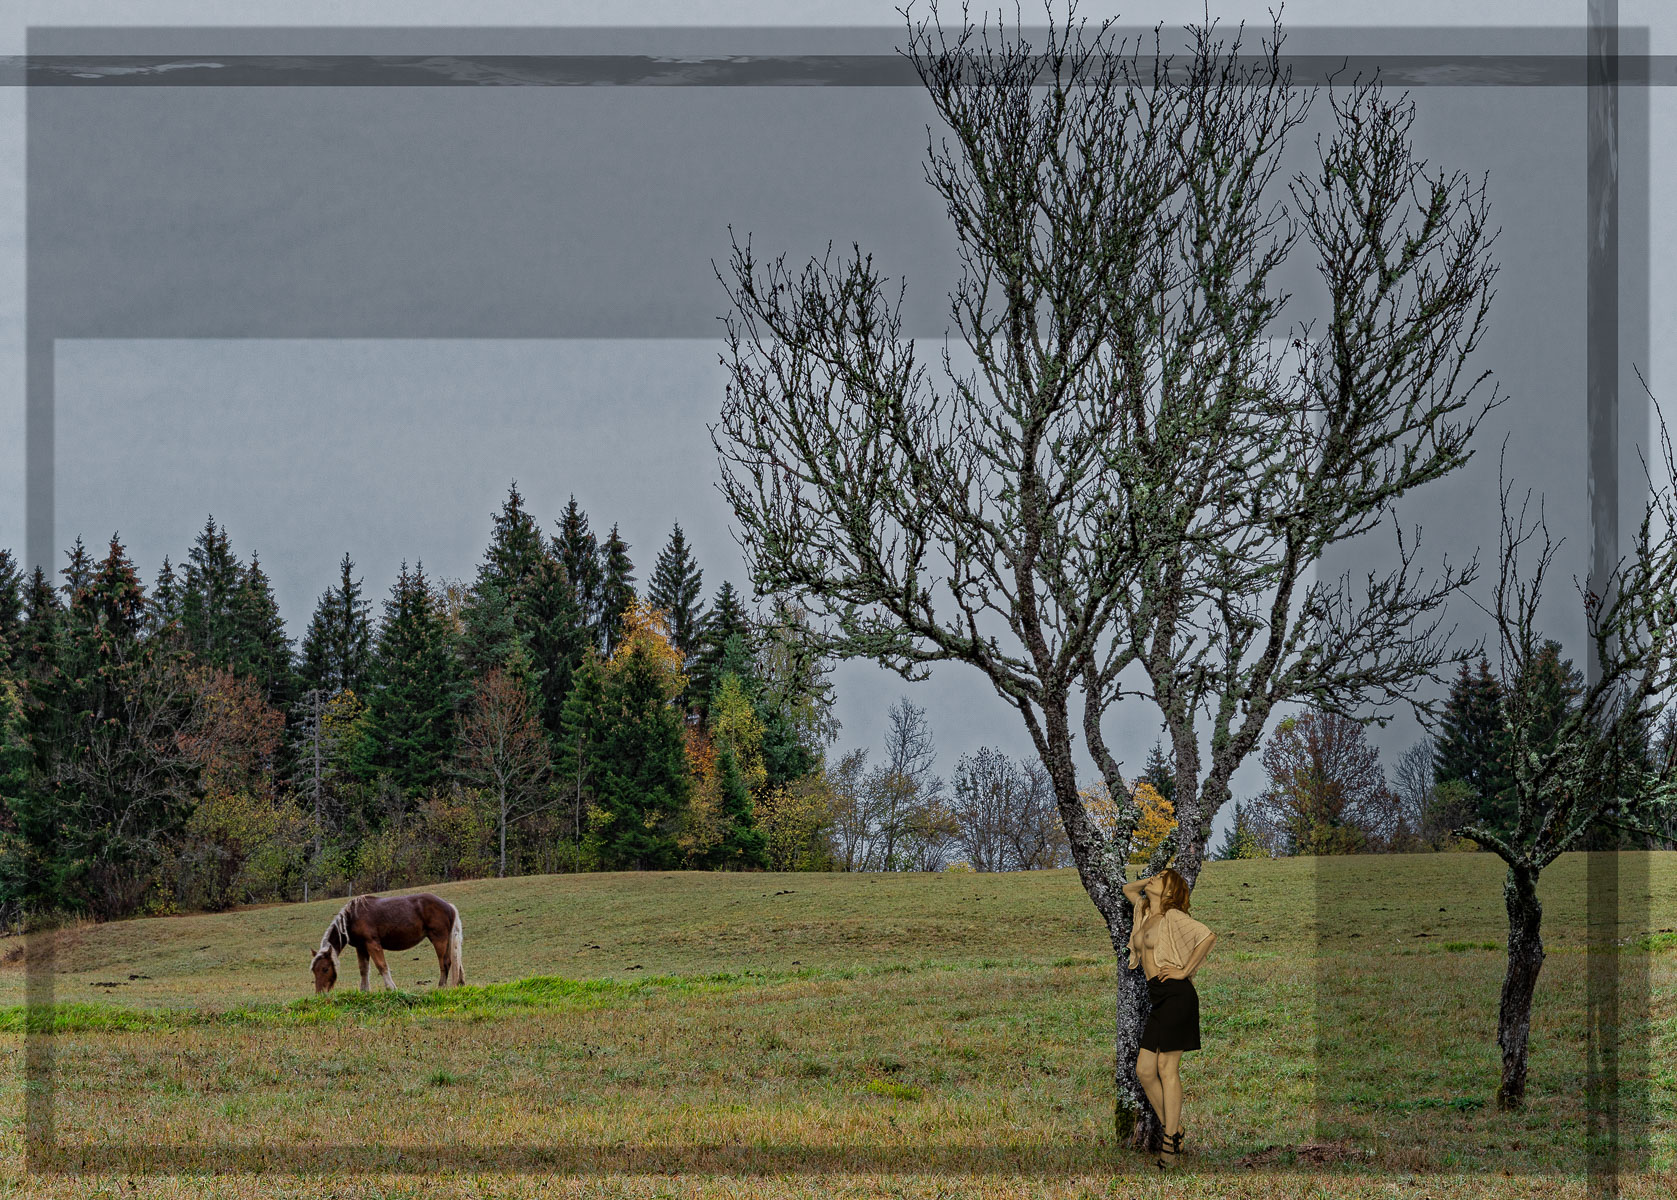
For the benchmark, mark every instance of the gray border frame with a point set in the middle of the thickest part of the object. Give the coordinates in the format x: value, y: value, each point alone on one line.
x: 1602, y: 68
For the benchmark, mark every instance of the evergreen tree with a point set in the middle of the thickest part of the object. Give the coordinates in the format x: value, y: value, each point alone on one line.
x: 787, y: 757
x: 727, y: 619
x: 795, y: 698
x: 576, y: 752
x: 488, y: 628
x: 1549, y: 685
x: 556, y: 637
x: 417, y: 687
x: 1160, y: 771
x: 78, y: 574
x: 43, y: 616
x: 743, y: 846
x: 617, y: 591
x: 107, y: 730
x: 577, y: 552
x: 515, y: 546
x: 11, y: 604
x: 260, y: 648
x: 164, y: 604
x: 643, y: 785
x: 1473, y: 745
x: 213, y: 577
x: 675, y: 588
x: 1241, y: 841
x: 337, y: 648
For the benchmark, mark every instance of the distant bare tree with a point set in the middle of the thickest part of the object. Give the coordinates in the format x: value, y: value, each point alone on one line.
x: 503, y: 749
x: 853, y: 823
x: 1005, y: 813
x: 987, y: 790
x: 906, y: 793
x: 1413, y: 782
x: 1036, y: 836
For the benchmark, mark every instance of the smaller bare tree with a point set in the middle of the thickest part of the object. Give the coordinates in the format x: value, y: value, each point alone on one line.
x: 1571, y: 778
x: 504, y: 749
x: 1415, y: 785
x: 987, y: 789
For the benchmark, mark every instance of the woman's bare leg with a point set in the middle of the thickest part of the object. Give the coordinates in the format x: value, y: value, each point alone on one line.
x: 1170, y: 1083
x: 1147, y: 1070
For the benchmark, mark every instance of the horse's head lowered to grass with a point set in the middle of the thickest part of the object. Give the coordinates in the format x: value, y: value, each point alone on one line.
x: 325, y: 968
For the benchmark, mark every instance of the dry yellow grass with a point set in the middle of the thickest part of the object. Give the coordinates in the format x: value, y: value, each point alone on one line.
x: 847, y: 1035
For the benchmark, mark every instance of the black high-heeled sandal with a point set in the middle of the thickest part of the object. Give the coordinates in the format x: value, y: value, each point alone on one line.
x: 1172, y: 1147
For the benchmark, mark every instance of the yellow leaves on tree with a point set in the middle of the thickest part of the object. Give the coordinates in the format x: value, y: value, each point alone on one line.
x: 733, y: 722
x: 703, y: 829
x: 646, y: 634
x: 1158, y: 816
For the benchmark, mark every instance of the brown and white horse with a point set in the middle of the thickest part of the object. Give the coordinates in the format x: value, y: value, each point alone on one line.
x: 373, y: 925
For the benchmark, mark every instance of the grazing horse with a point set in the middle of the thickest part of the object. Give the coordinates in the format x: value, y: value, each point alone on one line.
x: 373, y: 925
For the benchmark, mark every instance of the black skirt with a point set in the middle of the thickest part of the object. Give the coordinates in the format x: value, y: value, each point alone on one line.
x: 1174, y: 1022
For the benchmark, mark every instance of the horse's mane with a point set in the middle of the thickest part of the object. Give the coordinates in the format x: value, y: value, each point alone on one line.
x: 336, y: 936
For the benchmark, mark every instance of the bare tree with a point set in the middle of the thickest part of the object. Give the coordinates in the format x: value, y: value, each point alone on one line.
x: 1326, y: 786
x: 1005, y: 813
x: 1036, y: 837
x: 1132, y: 472
x: 1414, y: 784
x: 907, y: 796
x: 987, y: 790
x: 504, y: 748
x: 1582, y: 772
x: 852, y: 814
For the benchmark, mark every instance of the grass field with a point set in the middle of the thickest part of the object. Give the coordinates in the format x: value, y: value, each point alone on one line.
x: 779, y: 1035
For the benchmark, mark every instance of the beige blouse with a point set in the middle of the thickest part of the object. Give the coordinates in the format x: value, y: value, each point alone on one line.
x: 1175, y: 937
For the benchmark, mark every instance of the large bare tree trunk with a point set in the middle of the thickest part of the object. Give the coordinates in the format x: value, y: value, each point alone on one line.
x: 1134, y: 1120
x: 1525, y: 960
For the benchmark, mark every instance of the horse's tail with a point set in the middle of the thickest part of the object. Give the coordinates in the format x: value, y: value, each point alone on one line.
x: 456, y: 938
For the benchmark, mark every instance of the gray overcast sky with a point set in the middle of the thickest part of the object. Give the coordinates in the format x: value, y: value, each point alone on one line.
x: 398, y: 442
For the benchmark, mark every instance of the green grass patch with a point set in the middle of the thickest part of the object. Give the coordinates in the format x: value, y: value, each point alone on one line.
x: 893, y: 1090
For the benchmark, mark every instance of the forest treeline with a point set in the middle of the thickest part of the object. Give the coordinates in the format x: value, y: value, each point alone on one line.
x: 171, y: 748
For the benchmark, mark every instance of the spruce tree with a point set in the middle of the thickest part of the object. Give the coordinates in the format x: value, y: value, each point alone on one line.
x: 1160, y: 771
x: 417, y: 687
x: 576, y: 751
x: 11, y: 604
x: 643, y: 781
x: 727, y: 619
x: 163, y: 607
x: 78, y: 573
x: 743, y: 846
x: 42, y: 618
x: 1550, y: 684
x: 260, y: 648
x: 1240, y: 841
x: 337, y: 648
x: 515, y: 546
x: 111, y: 715
x: 556, y: 637
x: 489, y: 628
x: 213, y: 577
x: 676, y: 588
x: 1473, y: 744
x: 617, y: 591
x: 577, y: 552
